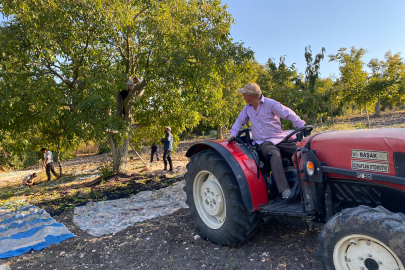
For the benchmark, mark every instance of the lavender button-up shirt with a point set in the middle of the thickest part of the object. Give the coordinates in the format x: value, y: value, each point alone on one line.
x: 265, y: 121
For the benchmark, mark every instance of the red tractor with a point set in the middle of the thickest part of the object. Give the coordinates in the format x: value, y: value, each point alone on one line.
x: 351, y: 183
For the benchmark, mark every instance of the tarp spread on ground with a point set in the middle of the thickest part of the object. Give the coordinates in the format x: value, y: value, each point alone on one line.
x: 28, y: 227
x: 102, y: 218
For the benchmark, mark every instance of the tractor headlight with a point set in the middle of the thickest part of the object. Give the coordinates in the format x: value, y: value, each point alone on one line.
x: 310, y: 168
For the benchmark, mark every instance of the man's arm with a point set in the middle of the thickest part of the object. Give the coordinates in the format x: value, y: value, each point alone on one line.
x: 286, y: 113
x: 166, y: 138
x: 242, y: 119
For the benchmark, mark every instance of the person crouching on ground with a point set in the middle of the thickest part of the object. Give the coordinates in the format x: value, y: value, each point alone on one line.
x: 29, y: 180
x: 264, y: 115
x: 168, y: 148
x: 48, y: 157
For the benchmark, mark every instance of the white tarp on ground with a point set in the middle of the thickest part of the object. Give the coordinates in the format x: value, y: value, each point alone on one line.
x: 28, y: 227
x: 102, y: 218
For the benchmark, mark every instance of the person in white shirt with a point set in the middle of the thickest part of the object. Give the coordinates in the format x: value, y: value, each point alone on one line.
x: 29, y: 180
x: 48, y: 157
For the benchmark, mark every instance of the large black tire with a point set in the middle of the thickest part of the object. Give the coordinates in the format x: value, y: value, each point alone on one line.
x: 363, y: 238
x: 222, y: 218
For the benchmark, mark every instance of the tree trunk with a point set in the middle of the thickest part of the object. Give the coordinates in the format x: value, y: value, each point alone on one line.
x: 120, y: 154
x: 219, y: 133
x: 77, y: 148
x: 119, y: 148
x: 58, y: 158
x: 378, y: 107
x: 368, y: 118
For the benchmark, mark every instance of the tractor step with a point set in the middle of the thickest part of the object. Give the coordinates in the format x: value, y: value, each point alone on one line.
x: 280, y: 207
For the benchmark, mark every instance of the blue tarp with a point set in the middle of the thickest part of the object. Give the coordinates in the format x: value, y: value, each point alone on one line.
x: 26, y: 228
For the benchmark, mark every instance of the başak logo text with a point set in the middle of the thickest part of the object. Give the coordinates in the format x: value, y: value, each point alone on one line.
x: 370, y: 155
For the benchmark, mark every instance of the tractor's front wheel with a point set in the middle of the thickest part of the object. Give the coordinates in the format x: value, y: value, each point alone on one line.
x: 363, y: 238
x: 215, y: 200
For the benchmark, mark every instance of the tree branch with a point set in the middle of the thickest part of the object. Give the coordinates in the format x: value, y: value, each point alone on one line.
x: 120, y: 49
x: 90, y: 32
x: 49, y: 66
x: 140, y: 12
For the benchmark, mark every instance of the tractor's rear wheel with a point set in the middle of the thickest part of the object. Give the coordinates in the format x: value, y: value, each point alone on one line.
x: 215, y: 200
x: 363, y: 238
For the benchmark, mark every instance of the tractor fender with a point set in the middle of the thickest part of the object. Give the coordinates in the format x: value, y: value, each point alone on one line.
x: 253, y: 190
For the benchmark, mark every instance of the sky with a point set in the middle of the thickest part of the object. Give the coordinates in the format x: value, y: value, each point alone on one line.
x: 272, y: 28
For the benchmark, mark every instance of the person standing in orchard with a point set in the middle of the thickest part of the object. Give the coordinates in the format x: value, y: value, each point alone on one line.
x: 168, y: 148
x: 48, y: 157
x: 154, y: 150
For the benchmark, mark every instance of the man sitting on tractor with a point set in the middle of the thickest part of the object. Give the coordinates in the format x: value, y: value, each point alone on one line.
x: 264, y: 115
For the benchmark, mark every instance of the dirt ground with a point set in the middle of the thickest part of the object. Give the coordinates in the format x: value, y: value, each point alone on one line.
x: 170, y: 242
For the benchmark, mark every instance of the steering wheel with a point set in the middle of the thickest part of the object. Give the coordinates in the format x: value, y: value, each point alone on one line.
x: 306, y: 128
x: 247, y: 137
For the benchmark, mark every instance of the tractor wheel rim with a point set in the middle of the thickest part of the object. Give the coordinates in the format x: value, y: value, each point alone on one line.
x: 209, y: 199
x: 362, y: 252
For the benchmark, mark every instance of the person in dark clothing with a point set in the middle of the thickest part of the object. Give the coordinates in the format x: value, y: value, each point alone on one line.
x: 154, y: 150
x: 124, y: 93
x: 168, y: 148
x: 48, y: 157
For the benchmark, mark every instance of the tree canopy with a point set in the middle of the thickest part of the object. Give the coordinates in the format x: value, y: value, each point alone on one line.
x: 64, y: 61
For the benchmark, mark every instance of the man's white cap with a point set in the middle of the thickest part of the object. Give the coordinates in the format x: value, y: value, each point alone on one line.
x: 168, y: 128
x: 250, y: 88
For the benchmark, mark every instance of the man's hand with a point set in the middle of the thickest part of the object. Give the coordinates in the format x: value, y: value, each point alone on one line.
x: 231, y: 138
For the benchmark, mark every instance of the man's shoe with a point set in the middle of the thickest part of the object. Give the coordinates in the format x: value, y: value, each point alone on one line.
x: 286, y: 193
x: 171, y: 170
x: 164, y: 169
x: 294, y: 193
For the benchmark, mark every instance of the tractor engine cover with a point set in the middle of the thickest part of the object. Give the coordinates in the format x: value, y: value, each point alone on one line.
x: 380, y: 151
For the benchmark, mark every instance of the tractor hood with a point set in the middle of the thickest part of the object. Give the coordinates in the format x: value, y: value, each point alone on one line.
x: 379, y: 151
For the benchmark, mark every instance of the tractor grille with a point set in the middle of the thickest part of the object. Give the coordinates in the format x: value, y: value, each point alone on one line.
x: 399, y: 162
x: 356, y: 193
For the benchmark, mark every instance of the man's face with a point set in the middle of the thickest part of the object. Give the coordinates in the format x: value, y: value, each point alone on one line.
x: 44, y: 151
x: 248, y: 98
x: 135, y: 80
